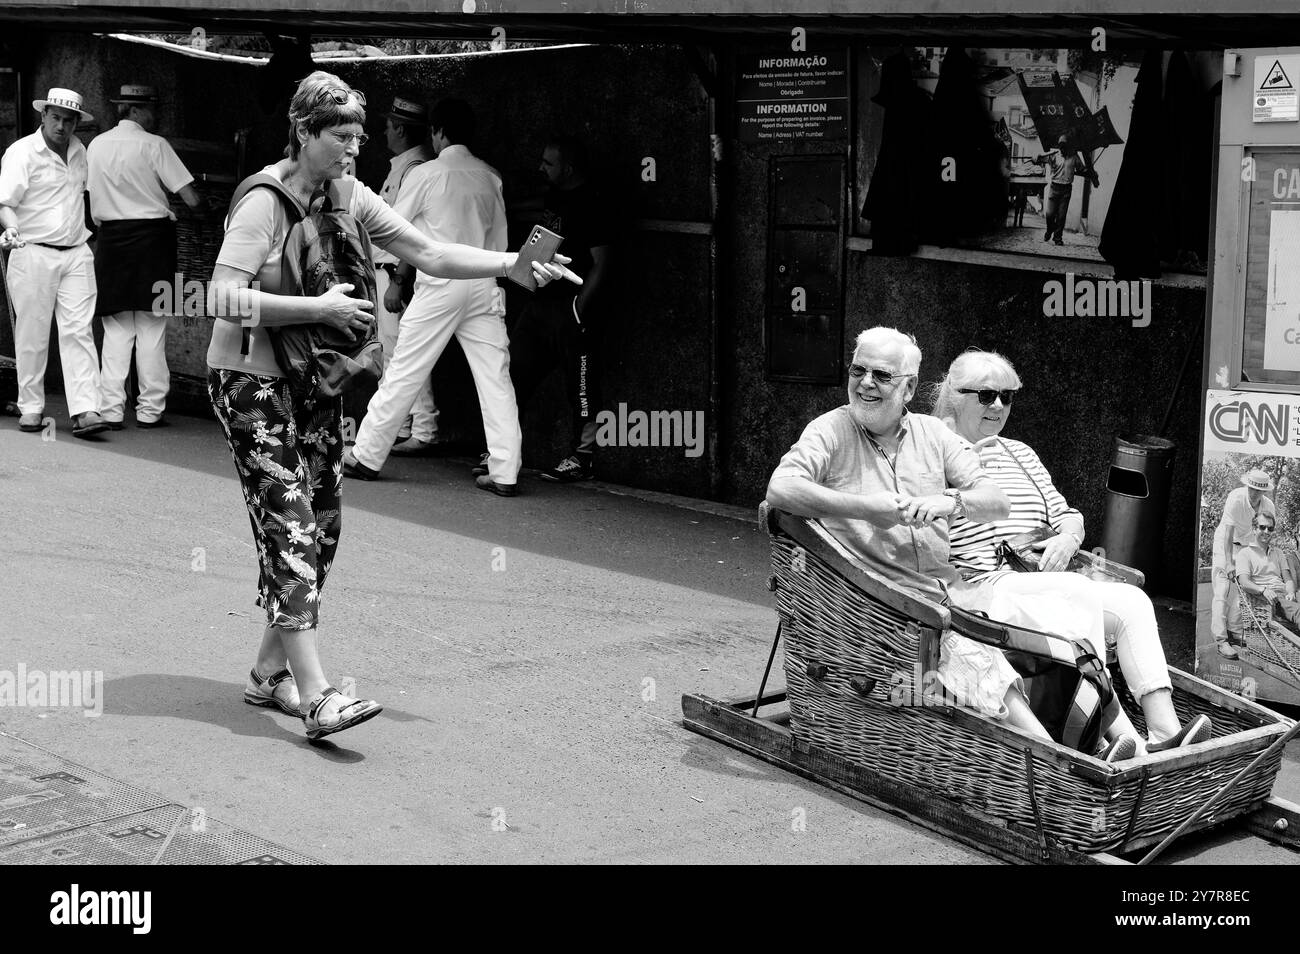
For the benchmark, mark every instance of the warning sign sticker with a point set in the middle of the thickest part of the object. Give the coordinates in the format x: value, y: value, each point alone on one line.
x: 1276, y: 99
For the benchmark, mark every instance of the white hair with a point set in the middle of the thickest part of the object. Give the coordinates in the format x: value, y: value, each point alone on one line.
x: 882, y: 336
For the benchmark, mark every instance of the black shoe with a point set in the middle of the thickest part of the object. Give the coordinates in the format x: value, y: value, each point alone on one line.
x: 87, y: 424
x: 352, y: 468
x: 570, y: 470
x: 114, y: 425
x: 160, y: 422
x: 481, y: 468
x: 484, y: 482
x: 1196, y: 730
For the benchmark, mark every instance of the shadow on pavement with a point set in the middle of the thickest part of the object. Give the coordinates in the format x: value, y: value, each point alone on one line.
x: 655, y: 541
x: 165, y: 695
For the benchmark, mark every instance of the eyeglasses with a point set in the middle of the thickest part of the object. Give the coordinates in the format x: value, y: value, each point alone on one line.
x: 882, y: 378
x: 986, y: 395
x: 1263, y: 526
x: 341, y: 95
x: 361, y: 138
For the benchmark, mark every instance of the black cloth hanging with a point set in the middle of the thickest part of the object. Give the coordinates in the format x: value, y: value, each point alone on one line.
x: 1129, y: 238
x: 899, y: 201
x: 1189, y: 131
x: 972, y: 196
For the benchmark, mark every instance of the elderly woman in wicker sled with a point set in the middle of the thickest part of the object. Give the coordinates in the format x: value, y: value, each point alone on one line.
x: 974, y: 400
x: 288, y: 447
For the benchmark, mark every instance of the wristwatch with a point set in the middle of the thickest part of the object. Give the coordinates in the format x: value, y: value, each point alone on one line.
x: 959, y: 505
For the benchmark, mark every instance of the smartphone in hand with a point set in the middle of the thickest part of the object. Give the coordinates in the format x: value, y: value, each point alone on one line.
x: 541, y: 246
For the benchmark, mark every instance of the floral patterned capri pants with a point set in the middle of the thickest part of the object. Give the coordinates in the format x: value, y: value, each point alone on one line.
x: 289, y: 455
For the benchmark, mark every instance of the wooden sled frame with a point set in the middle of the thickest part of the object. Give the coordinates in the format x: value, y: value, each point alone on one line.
x: 768, y: 738
x: 1026, y: 835
x: 1273, y: 632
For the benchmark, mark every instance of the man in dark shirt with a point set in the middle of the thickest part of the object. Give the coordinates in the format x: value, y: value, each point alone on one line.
x: 1064, y: 164
x: 560, y: 327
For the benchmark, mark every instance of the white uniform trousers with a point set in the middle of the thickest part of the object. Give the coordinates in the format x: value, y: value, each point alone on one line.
x: 148, y: 333
x: 424, y: 413
x: 46, y: 283
x: 438, y: 311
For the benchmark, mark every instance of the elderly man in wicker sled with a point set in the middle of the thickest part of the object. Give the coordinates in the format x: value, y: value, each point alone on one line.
x: 1264, y: 574
x: 884, y: 482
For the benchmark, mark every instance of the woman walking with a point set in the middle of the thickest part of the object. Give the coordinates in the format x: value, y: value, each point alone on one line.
x: 288, y: 448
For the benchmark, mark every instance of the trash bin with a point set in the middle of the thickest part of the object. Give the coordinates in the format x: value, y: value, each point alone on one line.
x: 1137, y: 502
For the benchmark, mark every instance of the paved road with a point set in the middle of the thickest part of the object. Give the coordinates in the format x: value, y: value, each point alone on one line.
x: 512, y: 694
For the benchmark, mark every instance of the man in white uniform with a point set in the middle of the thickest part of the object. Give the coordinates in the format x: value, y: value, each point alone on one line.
x: 1236, y: 529
x: 456, y: 198
x: 51, y: 270
x: 131, y: 173
x: 407, y: 134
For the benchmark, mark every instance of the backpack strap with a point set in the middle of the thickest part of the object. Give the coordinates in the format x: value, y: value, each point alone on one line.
x: 1093, y: 693
x: 292, y: 208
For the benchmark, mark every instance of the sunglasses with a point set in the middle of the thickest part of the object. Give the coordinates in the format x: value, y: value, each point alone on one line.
x: 883, y: 378
x: 985, y: 396
x: 341, y: 95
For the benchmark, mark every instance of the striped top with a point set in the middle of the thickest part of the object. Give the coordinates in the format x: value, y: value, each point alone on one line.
x: 1034, y: 501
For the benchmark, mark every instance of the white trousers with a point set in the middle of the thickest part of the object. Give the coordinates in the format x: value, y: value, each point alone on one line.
x: 1219, y: 586
x: 48, y: 284
x: 147, y: 332
x: 438, y: 311
x: 424, y: 413
x: 1116, y: 611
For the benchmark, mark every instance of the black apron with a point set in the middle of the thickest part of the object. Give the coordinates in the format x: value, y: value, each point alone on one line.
x: 131, y: 256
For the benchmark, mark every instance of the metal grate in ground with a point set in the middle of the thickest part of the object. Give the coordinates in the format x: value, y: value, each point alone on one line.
x: 53, y: 811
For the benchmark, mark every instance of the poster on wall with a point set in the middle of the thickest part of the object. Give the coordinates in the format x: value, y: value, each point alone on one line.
x: 1248, y: 579
x: 1026, y: 148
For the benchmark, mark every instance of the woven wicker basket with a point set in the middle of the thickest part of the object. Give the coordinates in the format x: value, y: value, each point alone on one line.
x: 855, y: 654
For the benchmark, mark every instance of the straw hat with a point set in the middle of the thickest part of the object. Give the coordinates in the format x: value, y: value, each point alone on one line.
x: 1257, y: 480
x: 136, y: 93
x: 408, y: 111
x: 63, y: 99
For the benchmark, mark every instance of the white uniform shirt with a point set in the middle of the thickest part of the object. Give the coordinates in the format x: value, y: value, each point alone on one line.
x: 44, y: 191
x: 130, y: 173
x: 398, y: 167
x: 1239, y: 515
x: 455, y: 198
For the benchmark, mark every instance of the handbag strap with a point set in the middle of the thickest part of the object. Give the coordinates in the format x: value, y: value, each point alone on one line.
x: 1047, y: 511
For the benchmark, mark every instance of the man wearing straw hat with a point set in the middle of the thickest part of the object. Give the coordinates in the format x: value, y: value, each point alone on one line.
x: 131, y: 172
x: 51, y: 271
x: 407, y: 136
x: 1236, y: 529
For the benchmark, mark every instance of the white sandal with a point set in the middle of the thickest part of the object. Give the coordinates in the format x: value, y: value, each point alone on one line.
x: 331, y: 712
x: 276, y: 691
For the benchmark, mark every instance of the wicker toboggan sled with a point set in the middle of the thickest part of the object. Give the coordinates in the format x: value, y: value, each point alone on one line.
x: 861, y: 719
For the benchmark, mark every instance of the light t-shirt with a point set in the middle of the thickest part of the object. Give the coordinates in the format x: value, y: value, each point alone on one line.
x: 255, y: 234
x: 835, y: 452
x: 1260, y: 568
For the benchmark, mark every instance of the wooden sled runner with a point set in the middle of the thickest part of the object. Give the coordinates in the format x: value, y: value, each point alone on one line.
x: 861, y: 722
